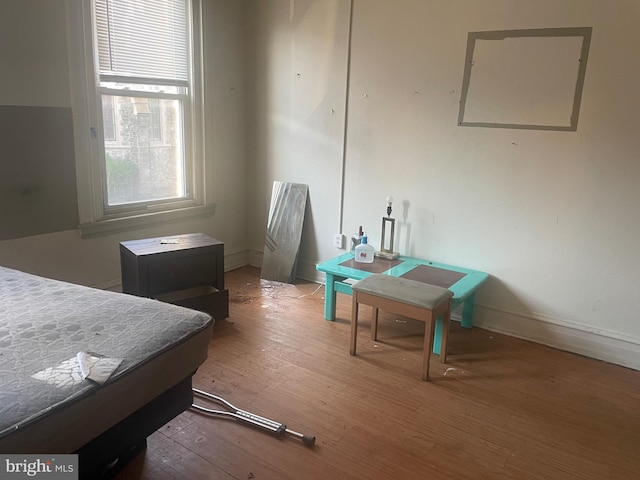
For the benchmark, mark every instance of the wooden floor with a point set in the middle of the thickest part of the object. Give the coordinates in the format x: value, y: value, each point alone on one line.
x: 501, y: 408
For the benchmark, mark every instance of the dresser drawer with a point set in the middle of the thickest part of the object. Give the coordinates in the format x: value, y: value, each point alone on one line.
x: 204, y: 298
x: 167, y: 274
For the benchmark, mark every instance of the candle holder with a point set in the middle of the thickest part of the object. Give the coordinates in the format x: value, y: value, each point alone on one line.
x: 386, y: 241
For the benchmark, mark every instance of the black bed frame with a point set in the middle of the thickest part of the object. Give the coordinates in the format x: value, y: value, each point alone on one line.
x: 106, y: 455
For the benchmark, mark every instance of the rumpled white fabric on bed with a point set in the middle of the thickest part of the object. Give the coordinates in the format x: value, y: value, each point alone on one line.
x: 44, y: 323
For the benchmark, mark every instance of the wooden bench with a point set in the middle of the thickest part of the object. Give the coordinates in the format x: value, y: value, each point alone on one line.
x: 409, y: 298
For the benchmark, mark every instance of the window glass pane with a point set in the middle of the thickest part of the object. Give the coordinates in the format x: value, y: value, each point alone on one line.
x: 146, y: 160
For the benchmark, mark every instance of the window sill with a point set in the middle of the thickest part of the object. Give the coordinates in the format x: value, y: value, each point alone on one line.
x: 105, y: 227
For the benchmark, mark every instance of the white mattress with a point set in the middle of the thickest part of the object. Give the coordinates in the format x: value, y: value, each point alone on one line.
x: 45, y: 405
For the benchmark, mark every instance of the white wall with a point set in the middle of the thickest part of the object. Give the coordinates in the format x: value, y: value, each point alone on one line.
x: 33, y: 53
x: 34, y: 62
x: 551, y: 216
x: 297, y: 80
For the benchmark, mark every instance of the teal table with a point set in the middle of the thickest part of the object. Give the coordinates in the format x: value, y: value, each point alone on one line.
x: 341, y: 271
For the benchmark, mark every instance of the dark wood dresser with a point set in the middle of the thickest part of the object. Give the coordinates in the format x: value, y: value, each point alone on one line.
x: 185, y: 270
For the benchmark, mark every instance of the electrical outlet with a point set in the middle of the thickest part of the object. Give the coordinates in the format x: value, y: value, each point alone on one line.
x: 338, y: 240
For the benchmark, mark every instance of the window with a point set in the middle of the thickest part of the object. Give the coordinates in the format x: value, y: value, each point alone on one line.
x: 142, y: 63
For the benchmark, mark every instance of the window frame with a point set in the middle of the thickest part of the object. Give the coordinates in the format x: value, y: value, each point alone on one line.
x: 96, y: 216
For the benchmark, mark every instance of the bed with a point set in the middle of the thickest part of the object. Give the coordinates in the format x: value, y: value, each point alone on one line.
x: 46, y: 406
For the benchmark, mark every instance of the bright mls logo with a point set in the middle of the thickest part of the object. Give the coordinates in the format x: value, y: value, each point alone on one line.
x: 51, y: 467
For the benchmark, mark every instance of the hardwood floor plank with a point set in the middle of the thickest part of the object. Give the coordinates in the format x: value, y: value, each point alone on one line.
x: 167, y: 458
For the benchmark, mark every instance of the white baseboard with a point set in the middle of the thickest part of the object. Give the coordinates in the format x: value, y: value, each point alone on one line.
x: 599, y: 344
x: 304, y: 270
x: 255, y: 258
x: 236, y: 260
x: 307, y: 271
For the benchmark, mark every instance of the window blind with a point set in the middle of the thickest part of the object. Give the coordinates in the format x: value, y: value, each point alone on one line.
x: 143, y: 39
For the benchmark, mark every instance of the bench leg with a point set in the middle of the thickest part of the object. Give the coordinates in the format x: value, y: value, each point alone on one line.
x: 374, y: 324
x: 445, y: 335
x: 354, y: 323
x: 429, y: 327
